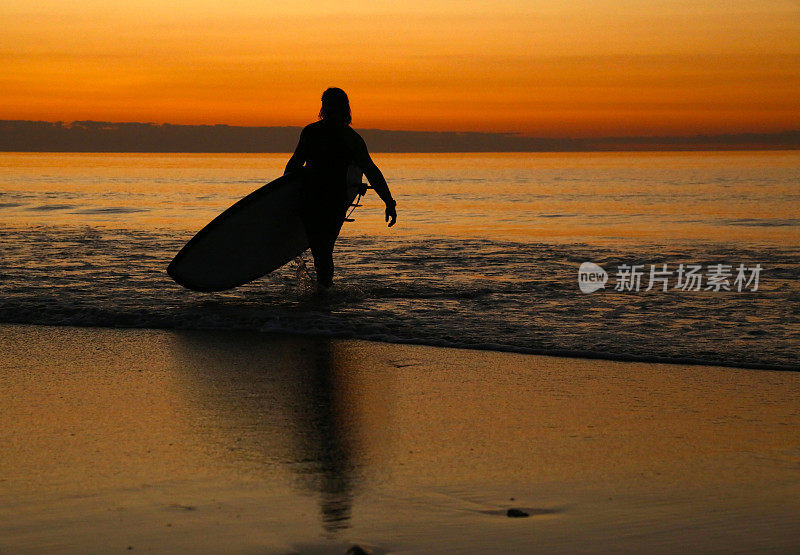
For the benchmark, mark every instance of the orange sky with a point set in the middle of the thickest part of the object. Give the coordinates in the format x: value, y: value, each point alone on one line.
x: 540, y: 67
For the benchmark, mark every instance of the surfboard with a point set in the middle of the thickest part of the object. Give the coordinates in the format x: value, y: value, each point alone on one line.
x: 257, y: 235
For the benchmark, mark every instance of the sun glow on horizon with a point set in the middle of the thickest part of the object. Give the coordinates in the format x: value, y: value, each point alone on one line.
x: 603, y: 68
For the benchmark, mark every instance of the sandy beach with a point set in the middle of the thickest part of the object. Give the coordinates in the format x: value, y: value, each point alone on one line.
x: 175, y: 441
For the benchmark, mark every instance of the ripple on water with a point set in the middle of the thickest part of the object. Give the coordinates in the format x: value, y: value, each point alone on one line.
x: 479, y: 293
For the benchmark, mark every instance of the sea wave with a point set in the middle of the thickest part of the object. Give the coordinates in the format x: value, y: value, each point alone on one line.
x: 477, y: 293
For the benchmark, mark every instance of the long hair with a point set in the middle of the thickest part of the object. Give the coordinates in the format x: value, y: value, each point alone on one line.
x: 335, y: 107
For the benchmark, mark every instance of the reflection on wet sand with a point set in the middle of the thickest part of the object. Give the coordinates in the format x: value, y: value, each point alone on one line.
x: 283, y: 403
x: 323, y: 458
x: 240, y: 441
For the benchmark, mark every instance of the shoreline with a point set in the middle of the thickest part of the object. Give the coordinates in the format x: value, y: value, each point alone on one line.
x: 557, y: 353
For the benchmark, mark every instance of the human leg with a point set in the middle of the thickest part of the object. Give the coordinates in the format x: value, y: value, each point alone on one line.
x: 322, y: 250
x: 323, y: 218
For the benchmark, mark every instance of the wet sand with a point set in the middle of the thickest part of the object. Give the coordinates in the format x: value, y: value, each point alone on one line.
x: 169, y: 441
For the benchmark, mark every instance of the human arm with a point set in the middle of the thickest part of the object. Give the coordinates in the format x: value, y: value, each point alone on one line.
x: 376, y: 180
x: 299, y: 158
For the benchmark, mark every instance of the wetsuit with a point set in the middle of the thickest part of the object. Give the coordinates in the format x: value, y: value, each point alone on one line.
x: 327, y: 148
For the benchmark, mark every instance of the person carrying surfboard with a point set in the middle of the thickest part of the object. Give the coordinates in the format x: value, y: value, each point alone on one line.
x: 326, y: 148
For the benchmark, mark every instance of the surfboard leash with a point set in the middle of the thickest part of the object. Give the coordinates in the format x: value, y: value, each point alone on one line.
x: 361, y: 192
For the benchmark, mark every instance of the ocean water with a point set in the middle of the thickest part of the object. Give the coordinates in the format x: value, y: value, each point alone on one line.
x: 486, y: 252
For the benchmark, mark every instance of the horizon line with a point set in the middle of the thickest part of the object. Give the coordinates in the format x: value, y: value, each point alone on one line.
x: 107, y: 136
x: 514, y: 134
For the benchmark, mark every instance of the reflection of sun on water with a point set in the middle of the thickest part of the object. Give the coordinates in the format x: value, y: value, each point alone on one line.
x: 593, y: 197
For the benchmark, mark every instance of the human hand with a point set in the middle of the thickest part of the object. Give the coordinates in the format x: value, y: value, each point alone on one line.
x: 391, y: 213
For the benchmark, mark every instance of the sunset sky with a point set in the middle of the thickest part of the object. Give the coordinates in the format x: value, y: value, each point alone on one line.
x: 540, y: 67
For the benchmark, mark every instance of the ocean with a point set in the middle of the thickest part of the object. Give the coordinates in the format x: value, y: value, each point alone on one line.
x: 700, y: 251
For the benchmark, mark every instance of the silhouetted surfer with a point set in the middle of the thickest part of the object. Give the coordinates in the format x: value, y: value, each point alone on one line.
x: 326, y: 148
